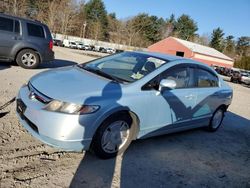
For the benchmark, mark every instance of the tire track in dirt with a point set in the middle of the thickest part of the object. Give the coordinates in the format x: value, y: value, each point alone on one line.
x: 25, y: 169
x: 24, y: 159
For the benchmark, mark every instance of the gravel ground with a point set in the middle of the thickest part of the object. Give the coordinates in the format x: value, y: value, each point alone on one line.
x: 193, y: 158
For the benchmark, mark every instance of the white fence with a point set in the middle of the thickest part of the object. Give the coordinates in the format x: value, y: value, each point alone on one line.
x: 98, y: 43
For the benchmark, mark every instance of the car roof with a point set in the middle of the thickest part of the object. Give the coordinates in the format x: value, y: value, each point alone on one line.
x: 172, y: 58
x: 21, y: 18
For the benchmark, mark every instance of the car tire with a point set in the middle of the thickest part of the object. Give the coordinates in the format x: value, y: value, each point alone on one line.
x: 28, y: 59
x: 216, y: 119
x: 107, y: 142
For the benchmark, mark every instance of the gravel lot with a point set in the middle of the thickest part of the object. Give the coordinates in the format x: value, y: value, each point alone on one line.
x: 193, y: 158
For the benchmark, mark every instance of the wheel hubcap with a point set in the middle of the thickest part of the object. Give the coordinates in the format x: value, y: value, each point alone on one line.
x: 115, y: 136
x: 28, y: 59
x: 217, y: 119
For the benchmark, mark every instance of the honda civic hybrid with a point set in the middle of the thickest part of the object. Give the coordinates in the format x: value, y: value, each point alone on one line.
x: 106, y: 103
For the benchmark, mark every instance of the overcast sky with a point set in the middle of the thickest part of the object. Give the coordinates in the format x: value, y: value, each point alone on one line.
x: 233, y: 16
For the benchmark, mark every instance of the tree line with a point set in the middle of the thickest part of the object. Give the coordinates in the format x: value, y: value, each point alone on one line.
x: 91, y: 20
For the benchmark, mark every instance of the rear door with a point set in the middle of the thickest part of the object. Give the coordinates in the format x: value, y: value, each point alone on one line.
x: 208, y: 94
x: 9, y: 36
x: 38, y: 37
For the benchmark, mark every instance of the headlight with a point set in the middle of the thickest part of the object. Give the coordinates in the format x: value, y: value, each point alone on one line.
x: 70, y: 108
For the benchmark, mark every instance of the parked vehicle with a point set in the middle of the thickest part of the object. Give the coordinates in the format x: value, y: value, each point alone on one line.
x: 72, y: 45
x: 57, y: 42
x: 87, y: 47
x: 108, y: 102
x: 69, y: 44
x: 25, y: 41
x: 118, y: 51
x: 110, y: 50
x: 103, y: 50
x: 245, y: 78
x: 235, y: 76
x: 80, y: 45
x: 100, y: 49
x: 223, y: 70
x: 225, y: 73
x: 66, y: 43
x: 96, y: 48
x: 92, y: 47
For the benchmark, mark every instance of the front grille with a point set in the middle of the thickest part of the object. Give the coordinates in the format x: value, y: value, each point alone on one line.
x: 20, y: 108
x: 35, y: 94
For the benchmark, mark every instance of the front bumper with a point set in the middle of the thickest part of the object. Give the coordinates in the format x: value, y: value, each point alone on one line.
x: 65, y: 145
x: 56, y: 129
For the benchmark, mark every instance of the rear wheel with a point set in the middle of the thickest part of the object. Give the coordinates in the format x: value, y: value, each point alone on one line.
x: 113, y: 137
x: 28, y: 59
x: 216, y: 119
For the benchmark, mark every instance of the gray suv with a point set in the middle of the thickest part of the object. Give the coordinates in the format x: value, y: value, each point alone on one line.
x: 25, y: 41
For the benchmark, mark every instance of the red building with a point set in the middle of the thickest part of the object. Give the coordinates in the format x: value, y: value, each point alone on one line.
x: 204, y: 54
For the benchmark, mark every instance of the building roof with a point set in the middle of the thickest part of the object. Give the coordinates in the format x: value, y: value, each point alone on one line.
x: 160, y: 55
x: 202, y: 49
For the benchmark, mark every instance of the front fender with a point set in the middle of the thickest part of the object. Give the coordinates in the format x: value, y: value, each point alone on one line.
x: 103, y: 115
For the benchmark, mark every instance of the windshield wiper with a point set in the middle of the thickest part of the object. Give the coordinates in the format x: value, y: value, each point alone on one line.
x: 101, y: 73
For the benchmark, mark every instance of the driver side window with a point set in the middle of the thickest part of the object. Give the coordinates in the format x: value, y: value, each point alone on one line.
x: 180, y: 75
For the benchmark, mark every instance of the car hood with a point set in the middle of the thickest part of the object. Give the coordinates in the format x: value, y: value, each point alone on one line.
x: 73, y: 84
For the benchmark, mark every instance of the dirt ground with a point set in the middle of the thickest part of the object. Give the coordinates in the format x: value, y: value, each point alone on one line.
x: 193, y: 158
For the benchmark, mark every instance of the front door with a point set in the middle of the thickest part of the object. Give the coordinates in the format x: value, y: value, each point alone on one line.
x: 182, y: 99
x: 170, y: 108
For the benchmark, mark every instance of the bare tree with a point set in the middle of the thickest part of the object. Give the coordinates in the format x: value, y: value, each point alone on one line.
x: 14, y: 7
x: 203, y: 39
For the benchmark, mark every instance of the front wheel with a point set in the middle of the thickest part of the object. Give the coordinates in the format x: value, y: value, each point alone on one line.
x: 216, y: 119
x: 113, y: 137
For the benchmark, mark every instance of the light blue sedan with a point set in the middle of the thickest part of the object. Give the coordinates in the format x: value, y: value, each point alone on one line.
x: 106, y: 103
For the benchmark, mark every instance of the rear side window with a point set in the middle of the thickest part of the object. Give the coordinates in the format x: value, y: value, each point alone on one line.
x: 6, y: 24
x: 206, y: 79
x: 35, y: 30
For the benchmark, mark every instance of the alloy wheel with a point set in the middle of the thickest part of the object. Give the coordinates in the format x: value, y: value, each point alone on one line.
x: 28, y: 59
x: 217, y: 118
x: 115, y: 136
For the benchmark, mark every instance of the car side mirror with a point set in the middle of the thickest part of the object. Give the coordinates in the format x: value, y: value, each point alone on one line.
x: 168, y: 84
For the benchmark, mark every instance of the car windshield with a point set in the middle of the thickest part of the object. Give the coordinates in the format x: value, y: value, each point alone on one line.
x: 124, y: 67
